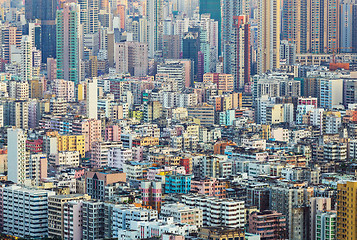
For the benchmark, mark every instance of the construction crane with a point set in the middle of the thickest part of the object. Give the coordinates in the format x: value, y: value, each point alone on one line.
x: 334, y: 51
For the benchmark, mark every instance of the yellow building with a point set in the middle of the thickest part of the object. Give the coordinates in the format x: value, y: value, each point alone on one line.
x: 221, y: 233
x: 138, y: 115
x: 80, y: 92
x: 347, y: 210
x: 72, y: 143
x: 69, y: 143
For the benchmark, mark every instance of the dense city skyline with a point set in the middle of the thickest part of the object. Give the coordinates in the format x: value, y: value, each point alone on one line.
x: 178, y: 119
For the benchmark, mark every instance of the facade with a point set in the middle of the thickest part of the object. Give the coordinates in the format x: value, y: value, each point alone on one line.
x: 151, y: 193
x: 25, y: 212
x: 331, y: 91
x: 241, y: 55
x: 203, y: 112
x: 67, y: 39
x: 154, y: 15
x: 217, y: 212
x: 177, y: 183
x: 17, y: 156
x: 302, y: 25
x: 268, y: 35
x: 56, y: 211
x: 183, y: 214
x: 326, y: 225
x: 132, y: 57
x: 72, y: 213
x: 97, y: 180
x: 268, y: 224
x: 346, y: 208
x: 26, y: 58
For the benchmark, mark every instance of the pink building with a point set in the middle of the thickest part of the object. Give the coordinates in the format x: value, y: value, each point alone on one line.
x: 209, y: 187
x: 63, y: 89
x: 112, y: 133
x: 51, y: 69
x: 138, y: 153
x: 268, y: 224
x: 91, y: 129
x: 151, y: 193
x: 78, y: 173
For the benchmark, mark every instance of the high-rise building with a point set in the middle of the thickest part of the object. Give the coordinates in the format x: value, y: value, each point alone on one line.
x: 132, y: 57
x: 171, y: 47
x: 67, y: 24
x: 44, y: 10
x: 26, y: 58
x: 18, y: 167
x: 56, y: 213
x: 89, y: 15
x: 240, y: 54
x: 154, y: 15
x: 25, y: 212
x: 348, y: 24
x: 346, y: 210
x: 213, y: 7
x: 312, y: 25
x: 287, y: 52
x: 191, y: 47
x: 11, y: 38
x: 172, y: 71
x: 325, y: 225
x: 230, y: 9
x: 270, y: 224
x: 151, y: 193
x: 268, y: 35
x: 92, y: 99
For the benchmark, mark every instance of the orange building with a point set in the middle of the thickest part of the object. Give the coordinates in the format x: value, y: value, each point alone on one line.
x: 220, y: 147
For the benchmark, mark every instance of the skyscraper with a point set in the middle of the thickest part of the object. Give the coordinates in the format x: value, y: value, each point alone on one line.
x: 268, y: 35
x: 154, y: 14
x: 295, y: 23
x: 240, y: 62
x: 18, y: 169
x: 26, y: 58
x: 89, y: 11
x: 312, y: 25
x: 67, y: 23
x: 346, y: 210
x: 44, y: 10
x: 230, y: 8
x: 92, y: 99
x: 191, y: 47
x: 348, y: 24
x: 213, y: 7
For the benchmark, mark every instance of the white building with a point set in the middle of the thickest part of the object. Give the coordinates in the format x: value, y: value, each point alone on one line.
x: 26, y: 58
x: 183, y: 214
x: 92, y: 99
x: 17, y: 156
x: 144, y: 230
x: 218, y: 212
x: 25, y: 212
x: 65, y: 158
x: 123, y: 216
x: 118, y: 156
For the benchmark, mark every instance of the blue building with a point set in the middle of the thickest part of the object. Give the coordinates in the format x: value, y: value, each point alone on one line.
x: 177, y: 183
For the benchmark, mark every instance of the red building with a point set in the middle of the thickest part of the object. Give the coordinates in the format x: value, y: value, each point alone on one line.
x: 187, y: 164
x: 34, y: 146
